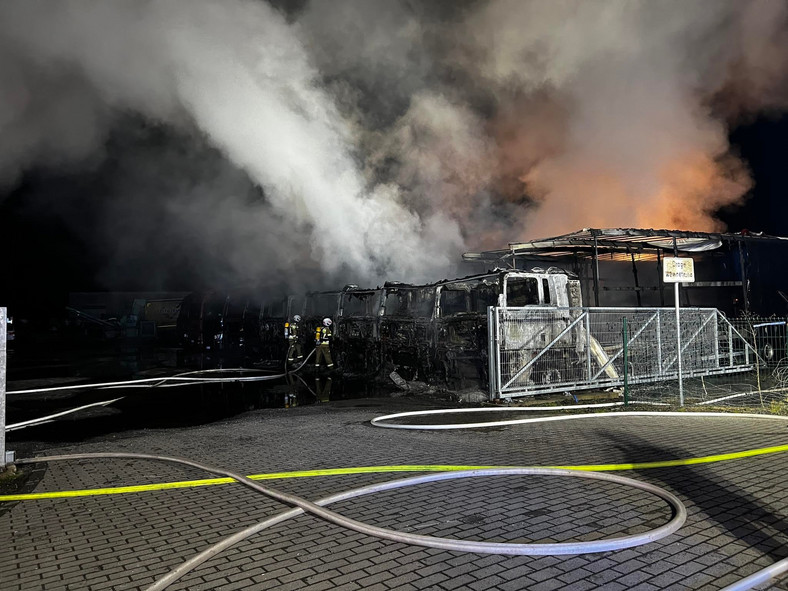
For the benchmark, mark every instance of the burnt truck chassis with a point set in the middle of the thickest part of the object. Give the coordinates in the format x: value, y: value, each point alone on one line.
x: 435, y: 333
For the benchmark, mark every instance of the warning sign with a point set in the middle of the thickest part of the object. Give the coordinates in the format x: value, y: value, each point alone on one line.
x: 676, y: 270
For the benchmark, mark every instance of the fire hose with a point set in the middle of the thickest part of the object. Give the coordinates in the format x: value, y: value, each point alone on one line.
x: 757, y: 578
x: 316, y: 509
x: 181, y: 379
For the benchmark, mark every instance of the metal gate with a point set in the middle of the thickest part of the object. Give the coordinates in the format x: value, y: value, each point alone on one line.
x: 537, y: 350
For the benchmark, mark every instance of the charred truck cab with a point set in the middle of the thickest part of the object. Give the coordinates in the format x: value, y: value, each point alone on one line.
x: 405, y: 329
x: 319, y: 305
x: 357, y: 330
x: 439, y: 331
x: 201, y: 321
x: 559, y: 294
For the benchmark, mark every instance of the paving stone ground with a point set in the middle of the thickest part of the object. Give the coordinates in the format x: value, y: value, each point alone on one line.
x: 737, y: 524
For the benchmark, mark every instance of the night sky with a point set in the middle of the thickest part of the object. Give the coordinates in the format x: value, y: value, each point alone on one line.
x: 764, y: 146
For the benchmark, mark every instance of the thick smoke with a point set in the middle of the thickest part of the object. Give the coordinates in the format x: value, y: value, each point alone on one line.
x: 238, y: 73
x: 380, y: 138
x: 640, y: 146
x: 596, y: 114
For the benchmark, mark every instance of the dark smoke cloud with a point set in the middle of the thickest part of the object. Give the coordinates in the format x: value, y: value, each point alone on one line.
x: 356, y: 140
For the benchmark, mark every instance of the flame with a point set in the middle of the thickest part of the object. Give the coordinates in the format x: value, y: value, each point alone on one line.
x: 572, y: 196
x: 694, y: 187
x: 685, y: 194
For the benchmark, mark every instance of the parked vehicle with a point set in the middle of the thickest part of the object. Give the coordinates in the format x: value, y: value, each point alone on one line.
x: 770, y: 338
x: 357, y: 330
x: 439, y: 331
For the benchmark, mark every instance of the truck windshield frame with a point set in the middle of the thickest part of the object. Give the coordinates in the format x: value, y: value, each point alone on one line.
x: 410, y: 302
x: 522, y: 291
x: 454, y: 301
x: 358, y: 303
x: 323, y: 304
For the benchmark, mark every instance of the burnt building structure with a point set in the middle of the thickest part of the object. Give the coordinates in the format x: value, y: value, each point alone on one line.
x: 741, y: 274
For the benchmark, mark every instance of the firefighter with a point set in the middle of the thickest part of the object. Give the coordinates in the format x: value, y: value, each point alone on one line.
x: 323, y: 344
x: 294, y: 351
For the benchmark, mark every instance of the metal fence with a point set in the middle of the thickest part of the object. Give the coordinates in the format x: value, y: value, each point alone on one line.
x: 763, y: 388
x: 768, y: 336
x: 554, y: 350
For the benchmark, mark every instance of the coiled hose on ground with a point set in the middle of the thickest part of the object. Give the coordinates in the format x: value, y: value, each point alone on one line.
x: 316, y: 508
x: 757, y: 578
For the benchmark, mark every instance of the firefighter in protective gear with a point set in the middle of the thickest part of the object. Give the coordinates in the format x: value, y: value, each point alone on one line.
x: 294, y: 350
x: 323, y: 344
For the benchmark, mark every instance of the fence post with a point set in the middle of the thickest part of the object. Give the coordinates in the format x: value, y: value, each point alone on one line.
x: 730, y: 345
x: 626, y: 360
x: 587, y: 312
x: 492, y: 330
x: 659, y: 343
x: 3, y: 332
x: 678, y: 344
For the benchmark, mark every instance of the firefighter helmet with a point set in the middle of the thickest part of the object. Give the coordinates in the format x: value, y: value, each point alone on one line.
x: 296, y: 318
x: 326, y: 321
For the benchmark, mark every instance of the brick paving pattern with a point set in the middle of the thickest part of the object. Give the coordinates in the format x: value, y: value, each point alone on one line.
x: 737, y: 524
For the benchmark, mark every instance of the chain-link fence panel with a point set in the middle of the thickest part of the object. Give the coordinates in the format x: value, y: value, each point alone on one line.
x: 637, y: 353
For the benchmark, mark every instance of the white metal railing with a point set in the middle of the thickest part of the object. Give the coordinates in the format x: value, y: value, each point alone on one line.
x: 542, y: 349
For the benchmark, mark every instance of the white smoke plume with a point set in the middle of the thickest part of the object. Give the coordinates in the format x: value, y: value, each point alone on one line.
x: 239, y: 74
x: 389, y: 135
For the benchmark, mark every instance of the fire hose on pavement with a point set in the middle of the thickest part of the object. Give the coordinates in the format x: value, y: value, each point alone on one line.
x: 316, y: 509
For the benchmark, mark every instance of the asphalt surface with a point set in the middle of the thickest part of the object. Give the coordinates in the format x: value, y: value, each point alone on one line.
x: 737, y: 523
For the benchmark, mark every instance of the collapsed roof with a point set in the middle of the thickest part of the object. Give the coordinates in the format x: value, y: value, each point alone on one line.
x: 585, y: 249
x: 617, y: 243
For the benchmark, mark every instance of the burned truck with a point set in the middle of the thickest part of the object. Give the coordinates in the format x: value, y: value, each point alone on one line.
x: 312, y: 307
x: 544, y: 345
x: 274, y: 313
x: 357, y: 330
x: 440, y: 331
x: 435, y: 332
